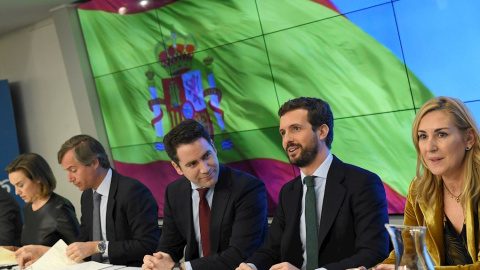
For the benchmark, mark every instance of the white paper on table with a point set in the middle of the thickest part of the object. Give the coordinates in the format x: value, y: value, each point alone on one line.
x: 7, y: 257
x: 55, y: 258
x: 91, y: 265
x: 98, y: 266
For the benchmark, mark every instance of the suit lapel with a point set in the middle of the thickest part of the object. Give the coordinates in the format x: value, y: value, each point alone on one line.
x: 87, y: 212
x: 219, y: 203
x: 111, y: 236
x: 293, y: 208
x: 333, y: 197
x: 184, y: 202
x: 433, y: 217
x: 471, y: 222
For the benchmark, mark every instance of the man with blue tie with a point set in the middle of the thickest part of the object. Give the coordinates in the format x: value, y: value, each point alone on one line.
x: 332, y: 215
x: 214, y: 216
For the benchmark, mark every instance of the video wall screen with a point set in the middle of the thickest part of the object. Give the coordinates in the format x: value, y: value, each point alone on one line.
x: 231, y: 64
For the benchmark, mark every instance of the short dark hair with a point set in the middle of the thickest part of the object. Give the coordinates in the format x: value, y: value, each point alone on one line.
x: 186, y: 132
x: 87, y: 149
x: 35, y: 167
x: 319, y: 113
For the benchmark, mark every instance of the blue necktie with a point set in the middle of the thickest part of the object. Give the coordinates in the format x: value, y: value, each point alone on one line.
x: 311, y: 223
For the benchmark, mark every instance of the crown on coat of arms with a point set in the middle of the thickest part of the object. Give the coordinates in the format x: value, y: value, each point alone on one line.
x: 176, y: 53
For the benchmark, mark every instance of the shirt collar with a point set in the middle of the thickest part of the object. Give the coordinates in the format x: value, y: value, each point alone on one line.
x: 195, y: 187
x: 322, y: 170
x: 104, y: 187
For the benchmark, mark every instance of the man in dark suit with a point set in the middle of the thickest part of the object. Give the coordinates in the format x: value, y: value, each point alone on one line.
x: 122, y: 225
x: 236, y: 202
x: 10, y: 220
x: 128, y: 210
x: 332, y: 216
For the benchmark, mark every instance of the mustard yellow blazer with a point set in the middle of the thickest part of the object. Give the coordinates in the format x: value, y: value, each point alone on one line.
x: 418, y: 214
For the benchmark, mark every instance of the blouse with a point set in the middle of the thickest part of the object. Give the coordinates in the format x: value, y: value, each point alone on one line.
x: 55, y: 220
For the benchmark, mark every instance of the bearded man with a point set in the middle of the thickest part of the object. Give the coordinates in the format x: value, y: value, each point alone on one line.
x: 332, y: 215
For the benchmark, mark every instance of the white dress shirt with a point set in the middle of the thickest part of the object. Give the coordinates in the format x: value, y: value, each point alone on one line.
x: 196, y: 219
x: 320, y: 181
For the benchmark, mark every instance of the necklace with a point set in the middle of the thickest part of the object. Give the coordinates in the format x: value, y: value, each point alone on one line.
x: 457, y: 198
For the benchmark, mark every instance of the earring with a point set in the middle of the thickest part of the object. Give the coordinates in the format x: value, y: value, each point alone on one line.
x: 468, y: 148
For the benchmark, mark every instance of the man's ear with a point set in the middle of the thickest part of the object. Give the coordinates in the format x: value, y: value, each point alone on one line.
x: 95, y: 163
x: 213, y: 145
x: 322, y: 132
x: 177, y: 168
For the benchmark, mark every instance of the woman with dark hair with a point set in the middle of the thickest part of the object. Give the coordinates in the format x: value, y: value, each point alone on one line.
x: 49, y: 217
x: 445, y: 194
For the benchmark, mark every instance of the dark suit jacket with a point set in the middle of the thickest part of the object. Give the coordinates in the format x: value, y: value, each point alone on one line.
x: 238, y: 221
x: 352, y: 231
x: 10, y: 220
x: 132, y: 220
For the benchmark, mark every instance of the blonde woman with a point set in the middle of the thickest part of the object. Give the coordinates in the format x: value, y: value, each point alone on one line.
x: 444, y: 196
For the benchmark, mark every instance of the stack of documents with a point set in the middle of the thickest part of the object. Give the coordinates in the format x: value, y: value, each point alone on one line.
x: 56, y: 259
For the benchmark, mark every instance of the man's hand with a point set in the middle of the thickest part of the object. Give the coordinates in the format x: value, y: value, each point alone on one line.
x: 151, y: 262
x: 80, y: 250
x: 244, y: 266
x: 159, y: 261
x: 283, y: 266
x: 29, y: 254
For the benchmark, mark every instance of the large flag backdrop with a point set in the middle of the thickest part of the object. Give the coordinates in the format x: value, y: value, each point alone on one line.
x: 231, y: 64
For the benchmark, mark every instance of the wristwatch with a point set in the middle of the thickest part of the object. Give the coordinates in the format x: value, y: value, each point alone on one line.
x: 177, y: 266
x: 102, y: 246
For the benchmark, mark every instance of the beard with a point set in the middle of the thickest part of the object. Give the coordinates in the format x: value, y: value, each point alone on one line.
x: 306, y: 156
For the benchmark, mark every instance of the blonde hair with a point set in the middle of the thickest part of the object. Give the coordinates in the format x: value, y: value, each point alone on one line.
x: 428, y: 186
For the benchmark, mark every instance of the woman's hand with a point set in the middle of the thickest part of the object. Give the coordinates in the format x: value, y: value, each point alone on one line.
x: 11, y: 248
x: 30, y: 254
x: 385, y: 267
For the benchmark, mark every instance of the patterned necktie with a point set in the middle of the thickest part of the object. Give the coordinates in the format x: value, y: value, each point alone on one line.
x: 204, y: 216
x: 311, y: 223
x: 97, y: 227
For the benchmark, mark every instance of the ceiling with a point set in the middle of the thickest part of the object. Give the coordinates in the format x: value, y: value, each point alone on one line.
x: 15, y: 14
